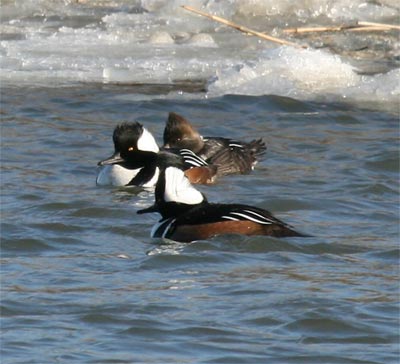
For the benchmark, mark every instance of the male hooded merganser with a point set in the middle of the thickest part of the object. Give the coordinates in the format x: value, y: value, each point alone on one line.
x: 187, y: 216
x: 130, y: 165
x: 125, y: 137
x: 229, y: 155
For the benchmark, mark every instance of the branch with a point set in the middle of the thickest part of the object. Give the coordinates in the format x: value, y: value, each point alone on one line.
x: 242, y: 28
x: 360, y: 26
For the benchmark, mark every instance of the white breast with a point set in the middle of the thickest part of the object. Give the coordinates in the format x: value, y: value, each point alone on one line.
x: 115, y: 175
x: 179, y: 189
x: 153, y: 180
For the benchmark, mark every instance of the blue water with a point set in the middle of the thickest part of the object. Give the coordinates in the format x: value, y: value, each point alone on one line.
x: 82, y: 281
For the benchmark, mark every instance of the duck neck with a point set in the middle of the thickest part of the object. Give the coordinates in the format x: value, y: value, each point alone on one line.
x: 139, y: 159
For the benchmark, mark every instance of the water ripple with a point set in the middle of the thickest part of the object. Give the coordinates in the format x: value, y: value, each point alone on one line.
x: 83, y: 282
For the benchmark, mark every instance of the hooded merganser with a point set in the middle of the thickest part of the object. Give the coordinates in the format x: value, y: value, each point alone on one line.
x: 187, y: 215
x: 230, y: 156
x: 133, y: 162
x: 125, y: 137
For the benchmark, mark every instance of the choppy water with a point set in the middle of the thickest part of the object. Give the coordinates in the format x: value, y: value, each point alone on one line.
x: 82, y: 282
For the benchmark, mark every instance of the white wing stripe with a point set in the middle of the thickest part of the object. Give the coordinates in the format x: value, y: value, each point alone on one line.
x: 236, y: 145
x: 161, y: 227
x: 165, y: 232
x: 258, y: 215
x: 193, y: 161
x: 189, y: 157
x: 194, y: 157
x: 230, y: 218
x: 248, y: 217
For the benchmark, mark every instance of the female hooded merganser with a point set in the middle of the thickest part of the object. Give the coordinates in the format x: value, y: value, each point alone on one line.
x: 229, y: 155
x: 187, y: 216
x: 132, y: 163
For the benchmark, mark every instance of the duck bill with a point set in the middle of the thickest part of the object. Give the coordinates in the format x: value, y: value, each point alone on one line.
x: 114, y: 159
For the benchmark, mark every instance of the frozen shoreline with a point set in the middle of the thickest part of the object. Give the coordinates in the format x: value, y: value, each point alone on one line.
x: 157, y: 42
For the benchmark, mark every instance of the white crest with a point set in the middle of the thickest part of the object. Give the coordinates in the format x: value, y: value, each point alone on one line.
x: 179, y: 189
x: 147, y: 143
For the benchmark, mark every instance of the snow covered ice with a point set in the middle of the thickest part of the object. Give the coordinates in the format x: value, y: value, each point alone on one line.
x: 50, y: 42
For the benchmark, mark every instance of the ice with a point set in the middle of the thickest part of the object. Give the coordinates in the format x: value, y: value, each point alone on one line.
x: 383, y: 87
x: 161, y: 38
x: 307, y: 75
x: 202, y: 40
x: 158, y: 42
x: 305, y: 10
x: 289, y: 72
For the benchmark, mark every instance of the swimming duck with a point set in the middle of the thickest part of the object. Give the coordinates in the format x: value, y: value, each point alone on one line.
x: 139, y: 170
x: 231, y: 156
x: 186, y: 215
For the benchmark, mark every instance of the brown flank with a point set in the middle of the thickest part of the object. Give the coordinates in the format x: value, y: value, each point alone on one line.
x: 202, y: 175
x: 187, y: 233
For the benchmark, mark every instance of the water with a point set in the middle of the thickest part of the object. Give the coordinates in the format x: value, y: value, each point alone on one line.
x: 82, y: 281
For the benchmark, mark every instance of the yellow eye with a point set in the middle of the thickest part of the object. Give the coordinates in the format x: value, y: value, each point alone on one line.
x: 130, y: 149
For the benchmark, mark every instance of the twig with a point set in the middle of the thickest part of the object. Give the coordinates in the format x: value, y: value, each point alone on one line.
x: 242, y: 28
x: 316, y: 29
x: 379, y: 25
x: 369, y: 29
x: 360, y: 26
